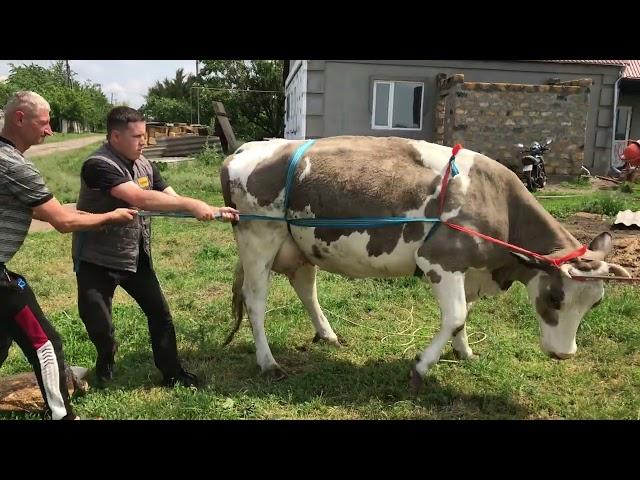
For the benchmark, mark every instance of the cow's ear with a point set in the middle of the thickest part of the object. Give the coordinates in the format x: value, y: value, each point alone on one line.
x: 601, y: 244
x: 531, y: 262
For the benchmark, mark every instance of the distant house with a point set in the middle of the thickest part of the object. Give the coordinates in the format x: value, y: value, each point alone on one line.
x: 587, y: 106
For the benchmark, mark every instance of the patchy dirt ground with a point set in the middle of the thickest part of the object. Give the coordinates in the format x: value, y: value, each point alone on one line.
x: 626, y: 241
x: 49, y: 148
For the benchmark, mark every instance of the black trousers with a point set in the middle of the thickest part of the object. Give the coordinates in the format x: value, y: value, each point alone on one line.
x: 22, y: 320
x: 96, y: 286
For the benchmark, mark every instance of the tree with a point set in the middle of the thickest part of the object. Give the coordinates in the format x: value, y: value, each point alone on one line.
x: 166, y: 109
x: 178, y: 88
x: 252, y: 93
x: 69, y: 100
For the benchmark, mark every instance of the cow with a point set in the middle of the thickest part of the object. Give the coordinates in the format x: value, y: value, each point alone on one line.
x: 360, y: 176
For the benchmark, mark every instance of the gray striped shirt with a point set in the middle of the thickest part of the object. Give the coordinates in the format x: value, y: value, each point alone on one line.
x: 21, y: 189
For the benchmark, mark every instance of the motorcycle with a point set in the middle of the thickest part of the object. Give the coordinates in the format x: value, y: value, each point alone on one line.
x: 534, y: 175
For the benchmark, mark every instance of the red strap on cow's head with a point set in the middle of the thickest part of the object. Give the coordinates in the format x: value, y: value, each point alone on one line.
x: 456, y: 149
x: 570, y: 256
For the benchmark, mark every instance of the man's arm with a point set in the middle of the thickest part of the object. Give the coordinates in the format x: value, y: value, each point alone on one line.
x: 65, y: 221
x: 168, y: 202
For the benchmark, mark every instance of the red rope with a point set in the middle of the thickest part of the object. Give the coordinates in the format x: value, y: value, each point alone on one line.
x: 553, y: 261
x: 556, y: 262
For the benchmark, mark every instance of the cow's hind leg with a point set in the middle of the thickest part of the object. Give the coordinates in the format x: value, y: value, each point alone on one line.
x: 258, y: 247
x: 303, y: 280
x: 461, y: 346
x: 449, y: 290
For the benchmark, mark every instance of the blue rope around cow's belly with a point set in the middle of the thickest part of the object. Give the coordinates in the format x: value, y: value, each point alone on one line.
x: 348, y: 222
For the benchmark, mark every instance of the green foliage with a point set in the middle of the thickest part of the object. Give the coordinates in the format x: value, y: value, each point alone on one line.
x: 166, y: 109
x: 69, y: 99
x: 605, y: 205
x: 251, y: 91
x: 255, y: 114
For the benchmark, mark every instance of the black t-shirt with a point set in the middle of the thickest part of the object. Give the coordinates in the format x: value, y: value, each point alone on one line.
x: 99, y: 174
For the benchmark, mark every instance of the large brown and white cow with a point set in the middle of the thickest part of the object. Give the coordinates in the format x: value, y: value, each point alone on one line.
x: 352, y: 176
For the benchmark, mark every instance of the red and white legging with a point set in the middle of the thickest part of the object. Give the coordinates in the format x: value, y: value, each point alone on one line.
x: 22, y: 321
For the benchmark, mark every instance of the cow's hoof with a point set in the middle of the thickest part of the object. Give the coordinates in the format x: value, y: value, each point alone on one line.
x: 461, y: 356
x: 337, y: 342
x: 415, y: 381
x: 275, y: 373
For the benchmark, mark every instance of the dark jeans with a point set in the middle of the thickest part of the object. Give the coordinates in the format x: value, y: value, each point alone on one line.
x: 22, y: 320
x: 96, y: 286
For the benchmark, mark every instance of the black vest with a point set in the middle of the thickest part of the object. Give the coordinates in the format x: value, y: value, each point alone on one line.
x: 114, y: 246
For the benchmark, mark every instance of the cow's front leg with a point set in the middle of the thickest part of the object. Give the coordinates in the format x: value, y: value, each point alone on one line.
x: 449, y: 290
x: 303, y: 280
x: 257, y: 247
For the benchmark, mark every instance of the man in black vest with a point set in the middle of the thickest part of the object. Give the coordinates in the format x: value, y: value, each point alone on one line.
x: 118, y: 175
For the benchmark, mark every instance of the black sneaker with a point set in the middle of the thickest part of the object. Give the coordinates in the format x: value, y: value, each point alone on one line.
x: 183, y: 378
x: 105, y: 365
x: 104, y: 371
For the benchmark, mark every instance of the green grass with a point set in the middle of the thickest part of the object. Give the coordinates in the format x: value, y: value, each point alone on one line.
x: 625, y: 196
x: 385, y: 324
x: 61, y: 137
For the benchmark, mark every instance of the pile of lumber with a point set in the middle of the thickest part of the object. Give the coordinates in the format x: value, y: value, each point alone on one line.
x: 183, y: 146
x: 158, y: 130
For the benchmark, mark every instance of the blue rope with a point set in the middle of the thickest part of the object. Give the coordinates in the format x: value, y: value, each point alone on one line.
x: 293, y: 165
x: 454, y: 167
x: 345, y: 222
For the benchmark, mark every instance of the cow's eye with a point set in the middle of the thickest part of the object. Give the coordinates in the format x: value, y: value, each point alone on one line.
x: 554, y: 300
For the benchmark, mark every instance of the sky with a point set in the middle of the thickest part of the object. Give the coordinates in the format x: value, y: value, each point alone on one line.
x: 127, y: 80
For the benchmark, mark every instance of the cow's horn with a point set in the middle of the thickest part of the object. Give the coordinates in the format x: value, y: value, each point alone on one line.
x: 618, y: 270
x: 564, y: 270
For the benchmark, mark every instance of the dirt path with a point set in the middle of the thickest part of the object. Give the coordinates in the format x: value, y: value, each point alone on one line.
x: 46, y: 149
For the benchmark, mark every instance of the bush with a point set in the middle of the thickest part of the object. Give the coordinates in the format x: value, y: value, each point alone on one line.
x: 605, y: 205
x: 210, y: 156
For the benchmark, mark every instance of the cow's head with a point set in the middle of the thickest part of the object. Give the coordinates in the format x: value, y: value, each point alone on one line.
x: 561, y: 301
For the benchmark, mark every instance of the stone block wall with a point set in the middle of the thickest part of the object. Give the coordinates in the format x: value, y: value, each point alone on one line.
x: 491, y: 118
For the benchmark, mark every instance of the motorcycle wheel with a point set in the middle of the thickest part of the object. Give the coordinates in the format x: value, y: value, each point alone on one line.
x: 542, y: 181
x: 529, y: 182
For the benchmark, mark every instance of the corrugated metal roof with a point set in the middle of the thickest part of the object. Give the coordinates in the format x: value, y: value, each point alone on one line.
x: 628, y: 218
x: 592, y: 62
x: 632, y: 70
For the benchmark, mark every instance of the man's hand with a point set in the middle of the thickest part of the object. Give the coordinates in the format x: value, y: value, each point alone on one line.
x: 201, y: 210
x: 122, y: 215
x: 228, y: 214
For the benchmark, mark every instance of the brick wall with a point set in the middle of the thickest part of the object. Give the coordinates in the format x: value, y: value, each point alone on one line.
x: 491, y: 118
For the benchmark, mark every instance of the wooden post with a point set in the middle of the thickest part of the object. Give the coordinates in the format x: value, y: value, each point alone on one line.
x: 223, y: 129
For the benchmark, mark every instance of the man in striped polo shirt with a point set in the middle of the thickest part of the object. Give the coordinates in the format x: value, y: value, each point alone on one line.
x: 23, y: 196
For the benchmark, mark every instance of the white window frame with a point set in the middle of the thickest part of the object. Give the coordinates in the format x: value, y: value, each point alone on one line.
x: 389, y: 124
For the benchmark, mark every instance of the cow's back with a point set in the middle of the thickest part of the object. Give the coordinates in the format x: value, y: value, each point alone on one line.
x: 342, y: 177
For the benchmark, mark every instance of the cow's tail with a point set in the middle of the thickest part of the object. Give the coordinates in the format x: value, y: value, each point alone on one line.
x: 237, y: 301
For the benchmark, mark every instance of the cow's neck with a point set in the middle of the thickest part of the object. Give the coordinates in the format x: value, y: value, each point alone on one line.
x: 533, y: 228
